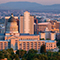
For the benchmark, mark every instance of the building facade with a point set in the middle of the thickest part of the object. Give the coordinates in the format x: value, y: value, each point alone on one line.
x: 26, y: 23
x: 52, y: 25
x: 25, y: 38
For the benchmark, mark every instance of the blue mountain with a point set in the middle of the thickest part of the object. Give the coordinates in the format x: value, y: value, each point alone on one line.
x: 29, y: 6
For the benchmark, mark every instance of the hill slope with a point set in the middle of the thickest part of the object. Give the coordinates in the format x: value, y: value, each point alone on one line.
x: 28, y: 6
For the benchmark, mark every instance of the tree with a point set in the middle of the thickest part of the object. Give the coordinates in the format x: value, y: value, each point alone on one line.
x: 9, y: 59
x: 54, y: 58
x: 10, y: 50
x: 1, y: 55
x: 29, y: 56
x: 12, y: 57
x: 35, y: 59
x: 43, y: 49
x: 17, y: 52
x: 47, y: 39
x: 21, y: 53
x: 42, y: 39
x: 32, y: 51
x: 23, y: 59
x: 37, y: 56
x: 16, y: 56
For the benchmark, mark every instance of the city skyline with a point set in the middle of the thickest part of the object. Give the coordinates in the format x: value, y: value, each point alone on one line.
x: 43, y: 2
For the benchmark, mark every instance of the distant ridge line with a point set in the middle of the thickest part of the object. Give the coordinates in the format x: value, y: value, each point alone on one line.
x: 23, y: 5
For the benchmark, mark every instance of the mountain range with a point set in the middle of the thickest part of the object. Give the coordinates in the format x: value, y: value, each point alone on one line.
x: 29, y: 6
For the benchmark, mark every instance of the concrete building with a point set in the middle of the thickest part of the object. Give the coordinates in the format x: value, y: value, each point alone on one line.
x: 42, y: 26
x: 48, y: 35
x: 52, y: 25
x: 55, y: 26
x: 27, y: 23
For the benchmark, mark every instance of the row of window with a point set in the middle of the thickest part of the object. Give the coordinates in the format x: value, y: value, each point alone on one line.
x: 1, y: 45
x: 30, y: 45
x: 51, y: 45
x: 35, y: 43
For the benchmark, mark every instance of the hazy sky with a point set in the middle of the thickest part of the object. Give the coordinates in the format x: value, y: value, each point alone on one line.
x: 44, y: 2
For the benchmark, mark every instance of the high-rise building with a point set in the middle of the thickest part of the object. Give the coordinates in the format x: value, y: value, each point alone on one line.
x: 27, y: 23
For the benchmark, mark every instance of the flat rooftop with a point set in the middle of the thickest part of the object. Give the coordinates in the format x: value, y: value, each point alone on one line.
x: 29, y: 40
x: 28, y: 35
x: 44, y: 23
x: 48, y: 41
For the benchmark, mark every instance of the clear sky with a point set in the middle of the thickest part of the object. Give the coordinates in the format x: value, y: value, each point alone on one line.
x: 44, y: 2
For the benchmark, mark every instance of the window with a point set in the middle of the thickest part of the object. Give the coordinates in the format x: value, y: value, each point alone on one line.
x: 39, y: 45
x: 16, y: 43
x: 1, y: 45
x: 24, y: 45
x: 42, y: 42
x: 54, y: 45
x: 51, y: 45
x: 20, y: 45
x: 27, y: 45
x: 35, y: 45
x: 31, y: 45
x: 5, y: 45
x: 9, y: 45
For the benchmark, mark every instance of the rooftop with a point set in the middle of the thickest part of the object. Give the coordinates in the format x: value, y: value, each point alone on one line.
x: 29, y: 40
x: 44, y: 23
x: 12, y: 19
x: 23, y: 34
x: 48, y: 41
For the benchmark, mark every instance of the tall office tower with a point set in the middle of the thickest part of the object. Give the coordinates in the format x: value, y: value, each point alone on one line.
x: 27, y: 23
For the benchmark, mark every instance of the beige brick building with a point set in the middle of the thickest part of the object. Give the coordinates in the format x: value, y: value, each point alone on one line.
x: 27, y: 23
